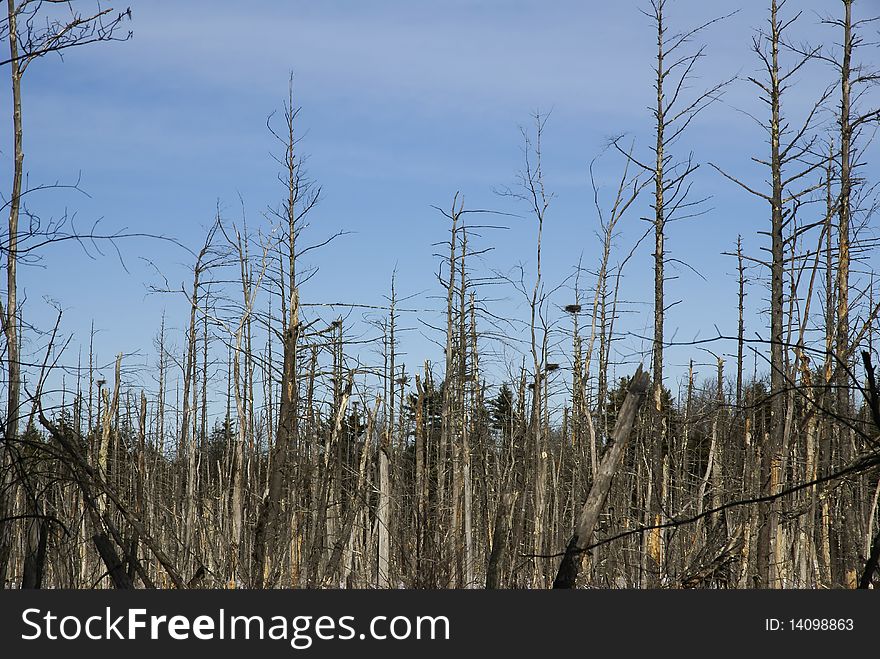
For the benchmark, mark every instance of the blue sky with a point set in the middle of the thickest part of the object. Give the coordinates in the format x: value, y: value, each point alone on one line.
x: 403, y: 104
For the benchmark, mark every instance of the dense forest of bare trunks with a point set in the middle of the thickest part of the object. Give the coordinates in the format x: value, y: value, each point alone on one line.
x: 277, y: 452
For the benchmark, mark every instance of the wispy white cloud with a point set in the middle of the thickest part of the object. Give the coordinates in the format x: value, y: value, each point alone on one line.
x: 471, y: 57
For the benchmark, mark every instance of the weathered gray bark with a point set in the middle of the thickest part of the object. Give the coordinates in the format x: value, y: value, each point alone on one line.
x: 189, y: 441
x: 9, y: 315
x: 567, y: 575
x: 673, y: 72
x: 10, y: 322
x: 421, y: 481
x: 654, y: 540
x: 847, y: 560
x: 383, y: 519
x: 447, y: 422
x: 740, y: 325
x: 300, y: 199
x: 500, y: 533
x: 780, y: 197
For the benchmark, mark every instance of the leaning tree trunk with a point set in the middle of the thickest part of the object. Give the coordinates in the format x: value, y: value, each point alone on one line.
x: 571, y: 561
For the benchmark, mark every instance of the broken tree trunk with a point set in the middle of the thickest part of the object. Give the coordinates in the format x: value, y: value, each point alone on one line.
x: 115, y: 567
x: 571, y: 561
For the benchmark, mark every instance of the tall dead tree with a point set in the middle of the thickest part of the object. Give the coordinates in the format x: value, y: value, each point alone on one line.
x: 532, y: 192
x: 628, y: 189
x: 740, y: 320
x: 302, y: 196
x: 853, y: 80
x: 33, y: 28
x: 189, y: 440
x: 673, y: 112
x: 447, y: 442
x: 790, y: 149
x: 237, y: 464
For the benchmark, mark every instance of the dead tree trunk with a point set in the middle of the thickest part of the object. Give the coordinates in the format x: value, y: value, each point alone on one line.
x: 784, y: 156
x: 383, y: 518
x: 567, y: 575
x: 9, y: 319
x: 190, y: 442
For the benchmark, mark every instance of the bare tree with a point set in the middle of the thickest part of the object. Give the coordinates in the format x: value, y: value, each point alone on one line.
x: 675, y: 109
x: 302, y: 196
x: 33, y: 28
x: 788, y: 148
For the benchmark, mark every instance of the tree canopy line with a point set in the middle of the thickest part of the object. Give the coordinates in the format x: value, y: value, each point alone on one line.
x: 285, y: 447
